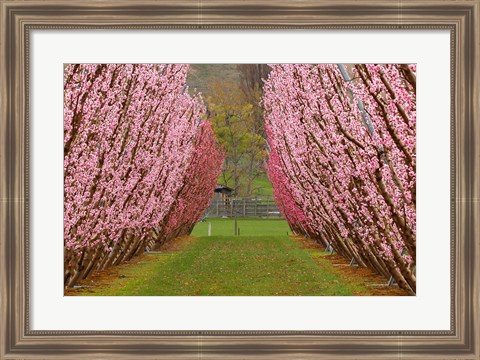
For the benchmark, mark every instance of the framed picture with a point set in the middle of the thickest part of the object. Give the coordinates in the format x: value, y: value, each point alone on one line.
x: 40, y: 39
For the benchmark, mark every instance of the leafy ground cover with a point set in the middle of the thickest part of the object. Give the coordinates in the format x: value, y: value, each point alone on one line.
x: 252, y: 264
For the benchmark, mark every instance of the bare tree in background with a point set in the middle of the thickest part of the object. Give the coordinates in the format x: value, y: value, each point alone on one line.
x: 252, y: 77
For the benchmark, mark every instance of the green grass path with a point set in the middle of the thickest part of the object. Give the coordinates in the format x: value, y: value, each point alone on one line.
x: 225, y: 265
x: 247, y: 226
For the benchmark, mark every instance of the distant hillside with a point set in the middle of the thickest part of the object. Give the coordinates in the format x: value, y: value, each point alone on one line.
x: 200, y: 75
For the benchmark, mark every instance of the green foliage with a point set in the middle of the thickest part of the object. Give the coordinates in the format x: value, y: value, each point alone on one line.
x: 232, y: 93
x: 234, y: 116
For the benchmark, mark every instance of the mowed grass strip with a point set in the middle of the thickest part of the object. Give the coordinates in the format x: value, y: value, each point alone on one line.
x: 231, y: 266
x: 248, y: 227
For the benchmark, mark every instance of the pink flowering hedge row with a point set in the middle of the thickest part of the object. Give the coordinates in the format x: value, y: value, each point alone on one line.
x: 135, y: 153
x: 343, y: 160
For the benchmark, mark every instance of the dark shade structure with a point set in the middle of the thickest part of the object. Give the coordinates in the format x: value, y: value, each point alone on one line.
x: 223, y: 190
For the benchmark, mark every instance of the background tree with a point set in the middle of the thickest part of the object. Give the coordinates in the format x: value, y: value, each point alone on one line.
x: 236, y: 127
x: 252, y: 77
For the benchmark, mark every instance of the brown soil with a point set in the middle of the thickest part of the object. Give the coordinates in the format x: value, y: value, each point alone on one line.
x: 104, y: 277
x: 355, y: 273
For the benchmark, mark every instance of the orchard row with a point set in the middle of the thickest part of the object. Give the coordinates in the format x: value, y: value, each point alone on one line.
x: 140, y: 164
x: 343, y: 161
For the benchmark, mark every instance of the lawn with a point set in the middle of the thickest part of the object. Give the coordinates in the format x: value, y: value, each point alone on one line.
x: 262, y: 186
x: 222, y: 266
x: 263, y: 261
x: 248, y: 227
